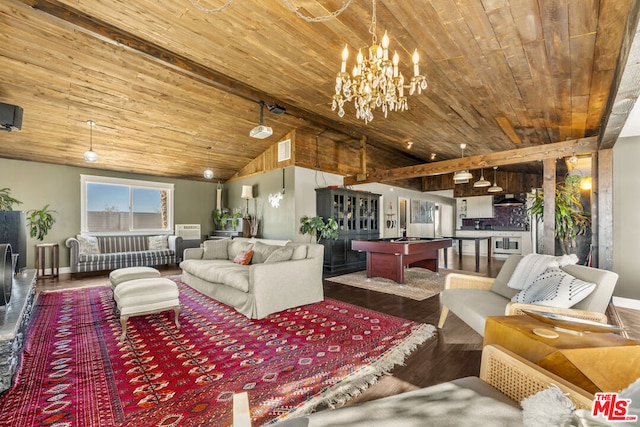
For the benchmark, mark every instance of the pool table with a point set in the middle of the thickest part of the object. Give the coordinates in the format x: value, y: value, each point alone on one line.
x: 388, y: 257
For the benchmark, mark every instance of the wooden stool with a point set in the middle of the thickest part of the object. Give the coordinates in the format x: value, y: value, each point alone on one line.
x: 41, y: 253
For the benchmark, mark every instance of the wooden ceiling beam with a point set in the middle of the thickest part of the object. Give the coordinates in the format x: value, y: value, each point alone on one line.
x: 190, y: 68
x: 502, y: 158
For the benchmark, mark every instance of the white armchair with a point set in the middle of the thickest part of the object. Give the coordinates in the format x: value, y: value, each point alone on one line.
x: 473, y: 298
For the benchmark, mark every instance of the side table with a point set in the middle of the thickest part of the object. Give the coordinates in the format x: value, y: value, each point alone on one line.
x: 595, y: 362
x: 41, y: 259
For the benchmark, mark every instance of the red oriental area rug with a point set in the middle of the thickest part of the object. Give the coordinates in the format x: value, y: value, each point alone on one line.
x: 75, y: 371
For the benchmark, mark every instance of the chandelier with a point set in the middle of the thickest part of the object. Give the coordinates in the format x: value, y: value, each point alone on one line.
x: 375, y: 81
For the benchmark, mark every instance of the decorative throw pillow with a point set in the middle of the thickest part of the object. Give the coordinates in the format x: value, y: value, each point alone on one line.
x: 261, y: 252
x: 555, y: 288
x: 243, y: 257
x: 530, y: 267
x: 236, y: 246
x: 158, y: 243
x: 88, y: 244
x: 216, y: 249
x: 279, y: 255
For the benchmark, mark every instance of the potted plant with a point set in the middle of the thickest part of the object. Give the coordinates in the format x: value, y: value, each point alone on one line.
x: 234, y: 219
x: 571, y: 220
x: 40, y: 222
x: 318, y: 228
x: 6, y: 201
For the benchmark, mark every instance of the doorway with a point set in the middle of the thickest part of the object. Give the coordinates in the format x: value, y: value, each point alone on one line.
x: 402, y: 216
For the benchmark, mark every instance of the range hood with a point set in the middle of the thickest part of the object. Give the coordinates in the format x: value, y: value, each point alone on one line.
x: 508, y: 200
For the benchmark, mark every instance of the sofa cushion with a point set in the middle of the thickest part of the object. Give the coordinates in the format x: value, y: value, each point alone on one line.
x: 299, y: 250
x: 236, y: 246
x: 261, y: 252
x: 88, y: 244
x: 158, y: 243
x: 500, y: 284
x: 243, y: 257
x: 216, y: 249
x: 219, y: 271
x: 280, y: 255
x: 555, y: 288
x: 472, y: 306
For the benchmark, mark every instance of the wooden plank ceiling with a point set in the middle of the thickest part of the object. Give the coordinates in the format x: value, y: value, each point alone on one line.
x: 164, y: 80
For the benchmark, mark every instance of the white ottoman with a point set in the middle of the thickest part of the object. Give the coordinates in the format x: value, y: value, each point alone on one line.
x: 131, y: 273
x: 146, y: 296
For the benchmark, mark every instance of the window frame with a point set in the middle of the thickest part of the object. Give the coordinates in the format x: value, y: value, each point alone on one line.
x: 131, y: 183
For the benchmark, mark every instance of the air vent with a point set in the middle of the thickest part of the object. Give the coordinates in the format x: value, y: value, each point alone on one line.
x: 284, y: 150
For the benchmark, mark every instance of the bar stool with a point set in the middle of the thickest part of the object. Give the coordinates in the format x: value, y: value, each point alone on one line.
x: 41, y: 253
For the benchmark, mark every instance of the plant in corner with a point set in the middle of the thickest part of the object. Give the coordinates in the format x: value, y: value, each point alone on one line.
x: 40, y: 222
x: 571, y: 220
x: 6, y: 201
x: 318, y: 228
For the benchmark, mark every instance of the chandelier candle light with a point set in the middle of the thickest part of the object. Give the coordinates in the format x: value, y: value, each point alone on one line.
x: 375, y: 81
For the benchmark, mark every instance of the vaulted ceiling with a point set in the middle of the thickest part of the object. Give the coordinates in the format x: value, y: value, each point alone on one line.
x: 165, y: 80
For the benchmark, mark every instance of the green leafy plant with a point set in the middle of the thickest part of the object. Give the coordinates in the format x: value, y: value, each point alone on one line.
x: 571, y: 220
x: 234, y: 219
x: 40, y: 222
x: 216, y: 218
x: 6, y: 201
x: 318, y: 228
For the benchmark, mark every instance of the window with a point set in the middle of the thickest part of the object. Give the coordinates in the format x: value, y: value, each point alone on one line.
x: 121, y: 206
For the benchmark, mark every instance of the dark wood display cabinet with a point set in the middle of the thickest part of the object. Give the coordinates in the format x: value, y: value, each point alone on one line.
x: 358, y: 216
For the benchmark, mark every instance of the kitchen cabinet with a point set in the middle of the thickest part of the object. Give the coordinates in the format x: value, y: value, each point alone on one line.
x: 474, y: 207
x: 358, y: 216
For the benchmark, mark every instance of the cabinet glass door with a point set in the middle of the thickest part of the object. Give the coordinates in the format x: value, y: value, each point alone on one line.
x: 350, y: 213
x: 374, y: 217
x: 363, y: 213
x: 337, y: 211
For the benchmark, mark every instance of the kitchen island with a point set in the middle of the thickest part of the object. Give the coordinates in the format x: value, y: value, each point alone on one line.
x: 388, y: 257
x: 476, y: 240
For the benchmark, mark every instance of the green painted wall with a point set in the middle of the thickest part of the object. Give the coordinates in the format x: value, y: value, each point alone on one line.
x: 38, y: 184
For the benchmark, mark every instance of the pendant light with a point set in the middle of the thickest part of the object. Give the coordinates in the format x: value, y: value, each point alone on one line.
x: 208, y: 173
x: 462, y: 176
x: 481, y: 182
x: 90, y: 156
x: 494, y: 188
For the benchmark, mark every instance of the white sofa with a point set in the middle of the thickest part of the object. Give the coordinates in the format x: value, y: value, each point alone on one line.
x: 290, y: 278
x: 474, y: 298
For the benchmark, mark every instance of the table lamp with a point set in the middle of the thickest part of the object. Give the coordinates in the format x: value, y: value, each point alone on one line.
x: 247, y: 193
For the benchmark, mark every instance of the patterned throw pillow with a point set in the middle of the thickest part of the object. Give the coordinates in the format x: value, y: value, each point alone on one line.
x: 279, y: 255
x: 555, y: 288
x: 158, y: 243
x: 88, y: 244
x: 243, y: 257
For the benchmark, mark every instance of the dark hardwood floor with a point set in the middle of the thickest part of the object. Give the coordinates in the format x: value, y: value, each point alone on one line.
x: 454, y: 352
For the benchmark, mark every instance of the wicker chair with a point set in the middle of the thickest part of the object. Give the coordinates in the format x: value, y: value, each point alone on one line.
x: 511, y: 378
x: 474, y: 298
